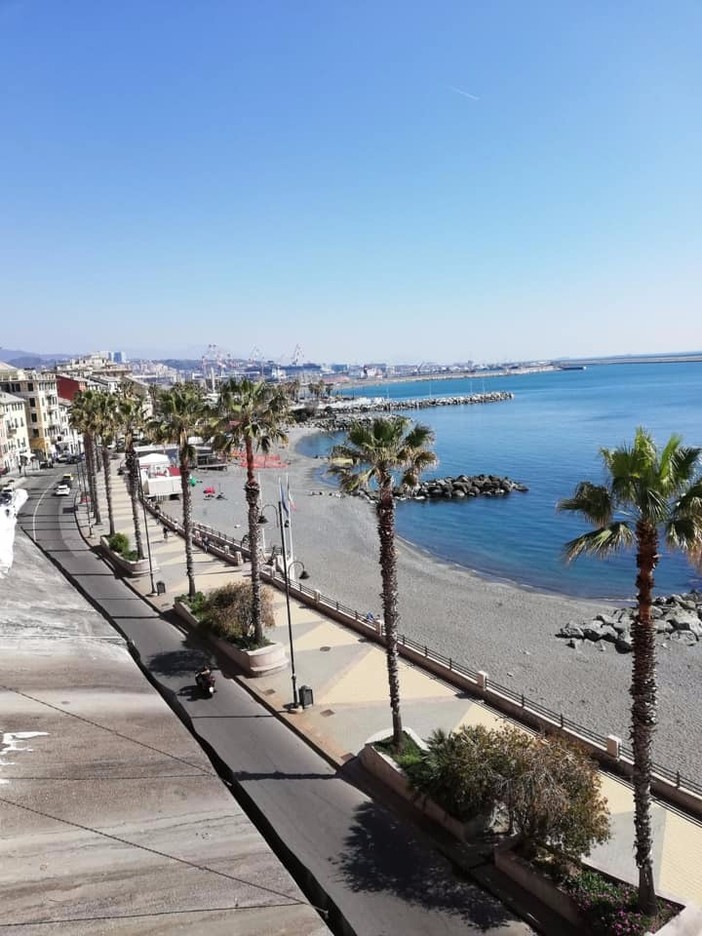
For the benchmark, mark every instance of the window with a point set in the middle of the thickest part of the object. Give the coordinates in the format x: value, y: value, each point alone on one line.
x: 30, y: 387
x: 34, y: 417
x: 32, y: 401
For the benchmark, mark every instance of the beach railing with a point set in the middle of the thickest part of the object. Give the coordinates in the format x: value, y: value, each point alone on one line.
x: 669, y: 784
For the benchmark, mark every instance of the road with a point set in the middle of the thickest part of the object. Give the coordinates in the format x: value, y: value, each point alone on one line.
x: 380, y: 875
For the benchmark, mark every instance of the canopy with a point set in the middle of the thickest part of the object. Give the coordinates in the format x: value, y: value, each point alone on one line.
x: 154, y: 459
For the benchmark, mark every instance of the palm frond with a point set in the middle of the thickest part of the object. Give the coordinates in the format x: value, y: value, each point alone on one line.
x: 593, y: 501
x: 601, y: 542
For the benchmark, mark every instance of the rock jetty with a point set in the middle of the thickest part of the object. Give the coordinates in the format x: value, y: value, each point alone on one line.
x: 459, y: 487
x: 339, y: 420
x: 677, y: 618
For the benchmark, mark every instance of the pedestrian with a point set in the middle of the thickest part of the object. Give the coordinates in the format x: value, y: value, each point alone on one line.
x: 165, y: 534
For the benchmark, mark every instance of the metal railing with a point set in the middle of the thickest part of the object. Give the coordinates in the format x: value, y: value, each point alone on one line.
x: 529, y: 706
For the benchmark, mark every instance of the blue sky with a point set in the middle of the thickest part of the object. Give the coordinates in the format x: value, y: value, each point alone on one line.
x: 282, y: 172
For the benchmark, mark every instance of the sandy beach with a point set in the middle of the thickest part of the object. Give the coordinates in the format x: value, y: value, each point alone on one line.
x: 503, y: 629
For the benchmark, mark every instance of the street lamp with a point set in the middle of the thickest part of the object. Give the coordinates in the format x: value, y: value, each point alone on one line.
x: 146, y: 522
x: 304, y: 574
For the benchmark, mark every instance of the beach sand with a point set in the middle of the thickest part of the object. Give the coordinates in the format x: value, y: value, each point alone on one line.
x: 503, y: 629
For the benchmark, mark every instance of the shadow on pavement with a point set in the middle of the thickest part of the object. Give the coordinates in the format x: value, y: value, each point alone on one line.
x: 373, y: 862
x: 178, y: 662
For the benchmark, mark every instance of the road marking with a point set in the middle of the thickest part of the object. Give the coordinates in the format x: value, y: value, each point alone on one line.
x: 34, y: 515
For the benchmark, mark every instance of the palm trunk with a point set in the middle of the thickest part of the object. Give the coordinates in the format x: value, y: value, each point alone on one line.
x: 187, y: 523
x: 92, y: 477
x: 388, y: 572
x: 108, y: 488
x: 134, y: 490
x: 252, y: 499
x: 643, y: 710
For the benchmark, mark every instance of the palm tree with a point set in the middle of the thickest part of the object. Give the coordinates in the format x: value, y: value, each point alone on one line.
x: 373, y: 454
x: 182, y: 412
x: 83, y: 418
x: 106, y: 422
x: 252, y: 413
x: 131, y: 422
x: 649, y: 494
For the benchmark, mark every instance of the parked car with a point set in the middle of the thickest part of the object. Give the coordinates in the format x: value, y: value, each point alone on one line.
x: 62, y: 489
x: 46, y: 464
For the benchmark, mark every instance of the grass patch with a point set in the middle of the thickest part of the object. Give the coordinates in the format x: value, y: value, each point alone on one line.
x: 409, y: 753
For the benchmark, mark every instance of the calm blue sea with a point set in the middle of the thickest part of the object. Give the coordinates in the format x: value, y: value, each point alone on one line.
x: 547, y: 437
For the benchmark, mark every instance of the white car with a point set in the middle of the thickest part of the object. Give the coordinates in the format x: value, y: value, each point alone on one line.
x: 62, y: 490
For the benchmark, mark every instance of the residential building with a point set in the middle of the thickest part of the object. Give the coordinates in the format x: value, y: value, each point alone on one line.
x: 40, y: 395
x: 14, y: 442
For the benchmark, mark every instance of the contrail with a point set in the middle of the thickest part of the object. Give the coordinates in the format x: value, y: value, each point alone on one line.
x: 473, y: 97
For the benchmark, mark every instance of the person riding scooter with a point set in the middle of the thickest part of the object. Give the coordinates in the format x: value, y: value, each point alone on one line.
x: 205, y: 680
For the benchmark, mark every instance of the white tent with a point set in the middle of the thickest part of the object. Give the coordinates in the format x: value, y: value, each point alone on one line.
x: 151, y: 461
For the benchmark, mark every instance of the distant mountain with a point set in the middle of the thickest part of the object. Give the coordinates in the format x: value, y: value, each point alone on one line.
x: 29, y: 359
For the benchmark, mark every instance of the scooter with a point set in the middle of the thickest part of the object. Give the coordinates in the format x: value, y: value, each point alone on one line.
x: 206, y: 683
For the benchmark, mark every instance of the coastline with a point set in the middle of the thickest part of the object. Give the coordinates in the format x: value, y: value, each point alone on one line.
x: 491, y: 625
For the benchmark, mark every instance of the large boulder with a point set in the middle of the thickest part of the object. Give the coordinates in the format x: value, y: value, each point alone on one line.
x: 571, y: 629
x: 624, y: 643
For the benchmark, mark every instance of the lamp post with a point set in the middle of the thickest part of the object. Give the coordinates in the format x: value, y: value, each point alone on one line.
x: 286, y: 578
x: 146, y: 527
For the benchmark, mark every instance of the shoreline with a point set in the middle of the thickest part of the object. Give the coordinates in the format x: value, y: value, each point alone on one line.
x: 496, y: 626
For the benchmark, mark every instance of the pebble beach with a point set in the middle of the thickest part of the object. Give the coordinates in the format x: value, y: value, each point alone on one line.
x: 499, y: 627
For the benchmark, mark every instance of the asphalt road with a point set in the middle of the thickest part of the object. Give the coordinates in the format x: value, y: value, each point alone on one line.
x: 382, y: 877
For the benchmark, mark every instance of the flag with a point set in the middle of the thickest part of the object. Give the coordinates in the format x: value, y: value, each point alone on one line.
x: 291, y: 502
x: 282, y: 498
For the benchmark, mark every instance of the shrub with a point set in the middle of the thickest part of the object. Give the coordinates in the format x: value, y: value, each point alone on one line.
x: 552, y: 792
x: 119, y: 543
x: 226, y: 612
x: 548, y: 789
x: 457, y: 772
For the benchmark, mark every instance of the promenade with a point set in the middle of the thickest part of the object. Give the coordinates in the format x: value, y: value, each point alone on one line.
x: 347, y: 674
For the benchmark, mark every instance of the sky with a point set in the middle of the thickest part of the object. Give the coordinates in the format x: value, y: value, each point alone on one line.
x: 369, y: 180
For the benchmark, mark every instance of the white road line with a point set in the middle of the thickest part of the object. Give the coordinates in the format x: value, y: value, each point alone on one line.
x: 34, y: 515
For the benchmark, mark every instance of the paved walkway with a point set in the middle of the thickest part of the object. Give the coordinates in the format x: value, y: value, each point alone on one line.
x: 349, y: 679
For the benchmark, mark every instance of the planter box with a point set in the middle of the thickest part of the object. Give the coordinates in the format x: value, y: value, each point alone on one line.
x: 386, y: 770
x: 520, y: 871
x: 686, y: 923
x: 131, y: 568
x: 259, y: 662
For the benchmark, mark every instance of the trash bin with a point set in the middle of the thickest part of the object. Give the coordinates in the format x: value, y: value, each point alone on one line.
x: 306, y: 696
x: 160, y: 588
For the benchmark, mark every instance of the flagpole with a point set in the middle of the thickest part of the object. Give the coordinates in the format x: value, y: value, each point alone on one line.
x: 290, y: 513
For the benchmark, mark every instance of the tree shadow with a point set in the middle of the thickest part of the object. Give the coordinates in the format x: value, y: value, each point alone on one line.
x: 180, y: 662
x: 382, y: 855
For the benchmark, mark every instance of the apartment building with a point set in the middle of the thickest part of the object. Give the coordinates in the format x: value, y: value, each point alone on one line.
x: 39, y: 393
x: 14, y: 442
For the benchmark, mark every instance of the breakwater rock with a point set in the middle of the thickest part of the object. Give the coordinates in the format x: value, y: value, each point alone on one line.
x: 676, y: 618
x: 386, y: 406
x: 459, y: 487
x: 339, y: 420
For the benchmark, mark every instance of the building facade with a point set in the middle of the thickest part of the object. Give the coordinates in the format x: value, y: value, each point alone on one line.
x: 39, y: 392
x: 14, y: 442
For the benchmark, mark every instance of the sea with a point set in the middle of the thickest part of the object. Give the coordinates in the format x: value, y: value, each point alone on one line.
x: 547, y: 437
